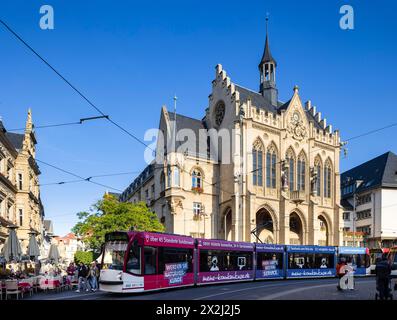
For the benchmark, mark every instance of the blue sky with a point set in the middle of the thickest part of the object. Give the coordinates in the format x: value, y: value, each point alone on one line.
x: 131, y: 57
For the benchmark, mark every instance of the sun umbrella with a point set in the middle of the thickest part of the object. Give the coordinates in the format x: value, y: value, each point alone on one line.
x: 33, y: 248
x: 54, y: 253
x: 12, y: 248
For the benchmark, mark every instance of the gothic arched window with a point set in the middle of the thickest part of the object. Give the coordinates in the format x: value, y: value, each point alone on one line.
x: 301, y: 168
x: 317, y: 170
x: 327, y: 179
x: 257, y: 164
x: 290, y: 157
x: 271, y: 162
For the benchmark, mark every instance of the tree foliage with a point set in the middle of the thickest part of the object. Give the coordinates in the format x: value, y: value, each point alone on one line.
x: 85, y: 257
x: 109, y: 215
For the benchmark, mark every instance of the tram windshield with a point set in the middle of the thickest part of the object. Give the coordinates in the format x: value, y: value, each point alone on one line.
x: 114, y: 253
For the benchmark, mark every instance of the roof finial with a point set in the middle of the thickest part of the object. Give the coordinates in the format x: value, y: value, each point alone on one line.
x: 267, y: 19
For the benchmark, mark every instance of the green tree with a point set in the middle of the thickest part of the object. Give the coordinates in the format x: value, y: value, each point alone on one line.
x: 85, y: 257
x: 109, y: 215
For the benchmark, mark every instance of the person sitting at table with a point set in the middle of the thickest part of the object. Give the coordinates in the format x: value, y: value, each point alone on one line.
x: 71, y: 269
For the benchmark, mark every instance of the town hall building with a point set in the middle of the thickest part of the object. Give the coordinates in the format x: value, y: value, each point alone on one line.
x: 277, y: 182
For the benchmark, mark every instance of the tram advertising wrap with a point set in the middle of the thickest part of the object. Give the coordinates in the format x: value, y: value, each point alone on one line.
x: 358, y: 257
x: 224, y: 261
x: 310, y: 261
x: 269, y: 261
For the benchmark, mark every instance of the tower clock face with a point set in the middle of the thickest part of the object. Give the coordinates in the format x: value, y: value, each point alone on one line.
x: 219, y: 113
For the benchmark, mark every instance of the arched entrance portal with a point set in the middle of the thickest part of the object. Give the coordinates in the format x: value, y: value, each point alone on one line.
x: 264, y: 226
x: 227, y: 225
x: 323, y: 234
x: 295, y: 229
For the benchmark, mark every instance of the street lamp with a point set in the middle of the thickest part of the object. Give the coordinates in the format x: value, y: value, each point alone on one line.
x: 356, y: 185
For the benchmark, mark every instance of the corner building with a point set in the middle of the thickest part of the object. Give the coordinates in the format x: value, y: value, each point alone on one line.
x: 278, y: 182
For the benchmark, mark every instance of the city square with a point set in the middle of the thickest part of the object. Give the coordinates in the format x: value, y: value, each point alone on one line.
x: 184, y: 159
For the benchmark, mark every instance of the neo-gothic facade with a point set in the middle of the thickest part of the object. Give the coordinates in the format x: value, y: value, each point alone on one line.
x: 279, y: 181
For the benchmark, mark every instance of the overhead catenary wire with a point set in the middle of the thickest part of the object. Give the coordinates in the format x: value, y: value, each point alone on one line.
x: 77, y: 176
x: 81, y: 121
x: 94, y: 176
x: 79, y: 92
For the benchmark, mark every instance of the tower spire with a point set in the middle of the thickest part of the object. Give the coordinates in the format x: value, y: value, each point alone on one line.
x: 267, y: 69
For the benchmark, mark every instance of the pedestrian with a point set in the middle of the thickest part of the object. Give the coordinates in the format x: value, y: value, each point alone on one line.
x: 99, y: 266
x: 82, y: 275
x: 94, y: 273
x: 339, y: 271
x: 382, y: 272
x: 70, y: 271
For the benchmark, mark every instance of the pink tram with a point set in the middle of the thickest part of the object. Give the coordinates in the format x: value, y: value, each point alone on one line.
x: 145, y: 261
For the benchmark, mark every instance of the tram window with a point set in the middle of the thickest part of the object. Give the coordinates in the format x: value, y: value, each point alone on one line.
x: 219, y: 260
x: 134, y: 260
x: 150, y: 260
x: 300, y: 261
x: 323, y: 261
x: 359, y: 260
x: 175, y: 255
x: 269, y: 260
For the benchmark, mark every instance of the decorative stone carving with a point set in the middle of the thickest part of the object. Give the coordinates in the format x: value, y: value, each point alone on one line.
x: 219, y: 113
x: 296, y: 128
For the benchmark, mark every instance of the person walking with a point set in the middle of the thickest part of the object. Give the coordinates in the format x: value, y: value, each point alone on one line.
x: 382, y: 272
x: 94, y: 273
x: 82, y: 275
x: 339, y: 271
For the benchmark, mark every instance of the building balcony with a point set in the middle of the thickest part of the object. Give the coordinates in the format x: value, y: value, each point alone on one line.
x: 297, y: 196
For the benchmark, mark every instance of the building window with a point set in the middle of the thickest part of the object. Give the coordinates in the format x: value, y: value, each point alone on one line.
x: 169, y: 174
x: 196, y: 179
x: 363, y: 214
x: 196, y: 208
x: 257, y: 164
x: 20, y: 181
x: 162, y: 181
x: 327, y: 180
x: 271, y: 160
x: 366, y: 198
x: 346, y: 216
x: 291, y: 170
x: 177, y: 177
x: 20, y: 217
x: 364, y: 229
x: 152, y: 191
x: 9, y: 211
x: 147, y: 193
x: 301, y: 173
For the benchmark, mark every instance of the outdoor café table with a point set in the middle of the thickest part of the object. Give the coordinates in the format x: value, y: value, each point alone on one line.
x: 50, y: 282
x: 24, y: 285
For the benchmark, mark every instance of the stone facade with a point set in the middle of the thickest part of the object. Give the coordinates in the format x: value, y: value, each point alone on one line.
x: 276, y: 179
x: 27, y: 210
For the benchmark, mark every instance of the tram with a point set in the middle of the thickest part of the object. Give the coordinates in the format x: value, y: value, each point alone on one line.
x: 146, y: 261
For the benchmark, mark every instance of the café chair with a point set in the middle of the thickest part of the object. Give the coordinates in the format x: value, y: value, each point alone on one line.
x: 13, y: 289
